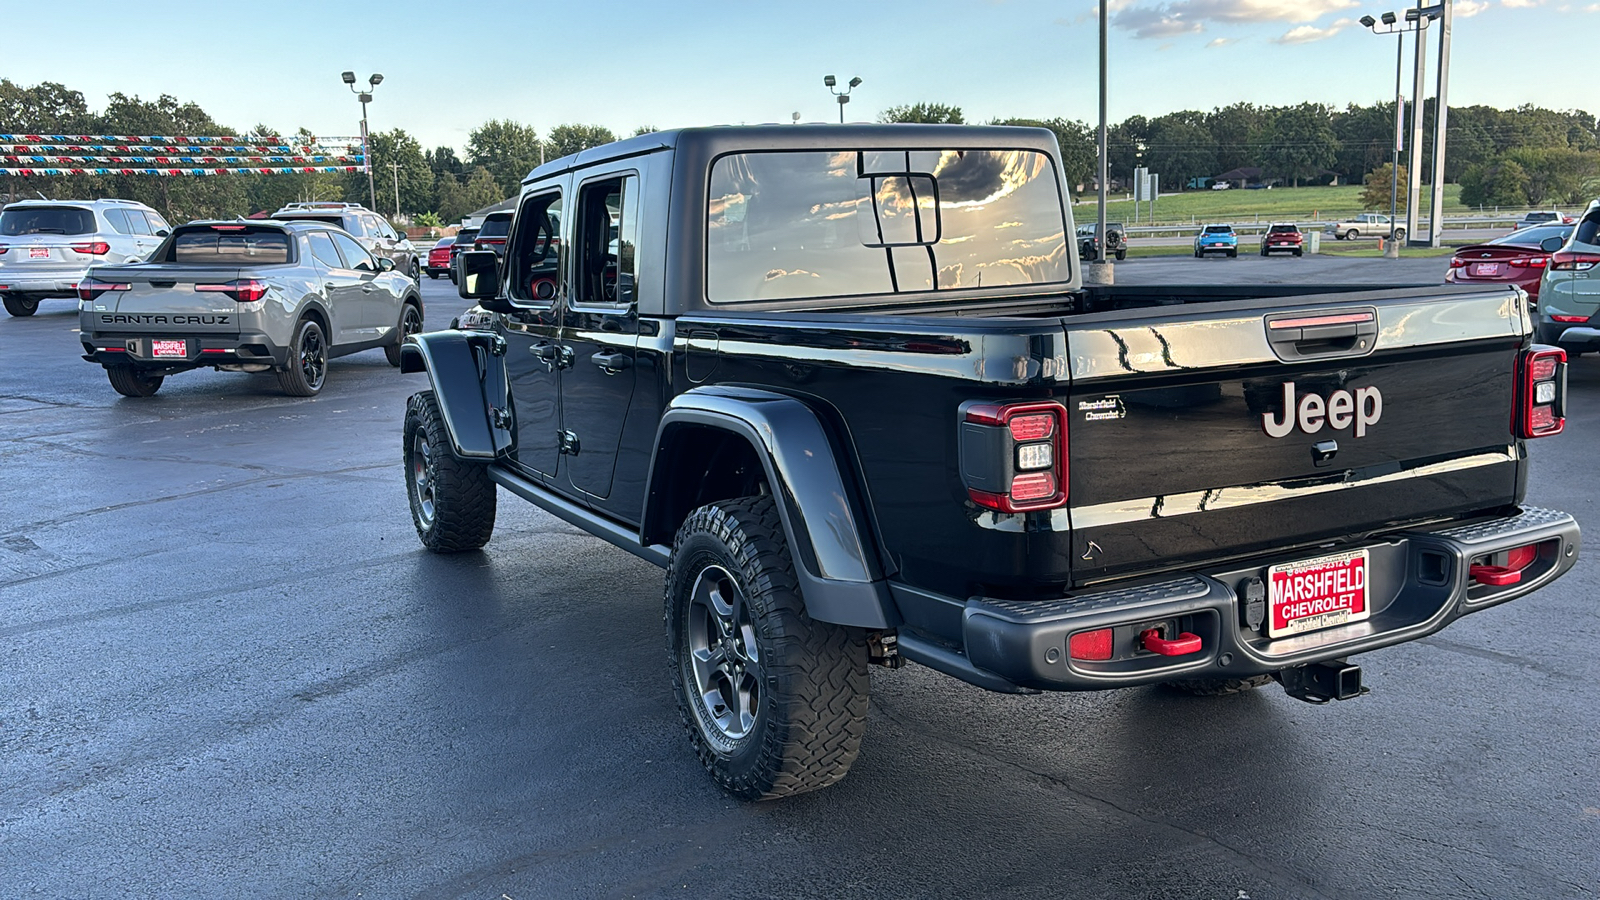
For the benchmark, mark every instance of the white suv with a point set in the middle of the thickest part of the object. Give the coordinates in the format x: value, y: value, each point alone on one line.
x: 47, y: 246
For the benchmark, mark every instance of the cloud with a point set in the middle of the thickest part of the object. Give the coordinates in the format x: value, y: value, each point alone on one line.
x: 1521, y: 4
x: 1220, y: 42
x: 1467, y: 8
x: 1305, y: 34
x: 1147, y: 20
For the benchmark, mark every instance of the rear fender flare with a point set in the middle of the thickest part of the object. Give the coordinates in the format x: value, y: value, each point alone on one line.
x: 840, y: 578
x: 468, y: 374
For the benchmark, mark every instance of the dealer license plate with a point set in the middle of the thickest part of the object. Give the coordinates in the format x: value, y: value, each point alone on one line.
x: 1317, y: 593
x: 1486, y: 269
x: 38, y: 252
x: 178, y: 349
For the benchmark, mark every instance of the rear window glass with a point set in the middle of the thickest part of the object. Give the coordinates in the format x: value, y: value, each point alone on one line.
x: 466, y: 235
x: 46, y: 220
x: 334, y: 220
x: 1285, y: 229
x: 497, y: 227
x: 799, y: 224
x: 241, y: 245
x: 1219, y: 229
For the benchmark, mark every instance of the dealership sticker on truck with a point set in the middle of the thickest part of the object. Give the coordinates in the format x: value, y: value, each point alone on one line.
x: 1318, y: 593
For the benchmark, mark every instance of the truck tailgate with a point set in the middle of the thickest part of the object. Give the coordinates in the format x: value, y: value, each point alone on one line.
x: 163, y: 298
x: 1199, y: 434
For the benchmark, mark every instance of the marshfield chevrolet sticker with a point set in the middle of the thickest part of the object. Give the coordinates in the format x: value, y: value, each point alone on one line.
x: 1100, y: 410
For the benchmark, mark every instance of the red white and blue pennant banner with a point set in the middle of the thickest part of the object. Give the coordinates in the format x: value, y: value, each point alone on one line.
x: 44, y: 155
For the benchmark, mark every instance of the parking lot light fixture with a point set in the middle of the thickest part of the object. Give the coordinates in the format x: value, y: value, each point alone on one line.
x: 842, y: 96
x: 365, y: 97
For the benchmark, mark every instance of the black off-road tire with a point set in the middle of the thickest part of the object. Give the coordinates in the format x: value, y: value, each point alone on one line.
x: 307, y: 367
x: 130, y: 382
x: 1298, y: 253
x: 20, y: 306
x: 1233, y: 254
x: 452, y: 501
x: 410, y: 323
x: 808, y: 679
x: 1218, y: 687
x: 1122, y: 255
x: 416, y: 271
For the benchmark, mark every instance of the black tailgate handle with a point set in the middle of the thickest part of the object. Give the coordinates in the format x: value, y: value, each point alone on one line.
x: 1323, y: 334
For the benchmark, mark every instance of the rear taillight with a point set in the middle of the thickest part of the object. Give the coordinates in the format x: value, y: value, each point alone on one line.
x: 90, y: 288
x: 93, y: 248
x: 1457, y: 262
x: 1529, y: 262
x: 1565, y: 261
x: 4, y: 247
x: 244, y: 290
x: 1013, y: 455
x: 1568, y: 319
x: 1540, y: 408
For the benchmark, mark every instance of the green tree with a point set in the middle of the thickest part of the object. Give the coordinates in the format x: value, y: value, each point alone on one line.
x: 507, y: 150
x: 1240, y: 131
x: 566, y: 140
x: 1301, y: 143
x: 1504, y: 183
x: 1366, y: 138
x: 482, y: 190
x: 415, y: 176
x: 1180, y: 148
x: 1125, y: 146
x: 1556, y: 175
x: 929, y: 113
x: 177, y: 198
x: 45, y: 108
x: 645, y: 129
x: 1375, y: 193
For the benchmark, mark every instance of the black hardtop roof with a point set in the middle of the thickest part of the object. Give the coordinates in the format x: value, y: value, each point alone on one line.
x: 714, y: 141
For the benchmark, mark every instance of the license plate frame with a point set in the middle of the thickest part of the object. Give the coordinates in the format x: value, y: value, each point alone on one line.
x: 38, y: 252
x: 1298, y: 601
x: 169, y: 348
x: 1486, y: 270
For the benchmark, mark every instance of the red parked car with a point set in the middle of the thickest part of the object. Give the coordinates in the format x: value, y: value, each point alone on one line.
x: 1284, y: 237
x: 439, y: 258
x: 1515, y: 258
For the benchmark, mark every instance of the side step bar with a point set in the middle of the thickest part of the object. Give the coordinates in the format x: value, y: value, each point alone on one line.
x: 573, y: 514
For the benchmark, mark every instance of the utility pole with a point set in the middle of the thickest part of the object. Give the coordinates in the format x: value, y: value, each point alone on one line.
x: 1100, y: 218
x: 1414, y: 174
x: 1441, y: 99
x: 396, y: 167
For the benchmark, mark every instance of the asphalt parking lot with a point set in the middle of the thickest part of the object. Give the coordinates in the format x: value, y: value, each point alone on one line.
x: 227, y: 668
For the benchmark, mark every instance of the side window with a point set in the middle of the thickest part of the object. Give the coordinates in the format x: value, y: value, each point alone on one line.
x: 137, y: 222
x: 356, y: 257
x: 355, y: 225
x: 119, y: 221
x: 387, y: 230
x: 535, y: 264
x: 322, y: 248
x: 607, y: 232
x: 157, y: 224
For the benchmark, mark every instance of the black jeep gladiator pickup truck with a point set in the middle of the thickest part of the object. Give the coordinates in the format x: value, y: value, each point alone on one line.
x: 843, y: 384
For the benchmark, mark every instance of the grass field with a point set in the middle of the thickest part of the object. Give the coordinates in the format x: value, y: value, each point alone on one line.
x: 1279, y: 204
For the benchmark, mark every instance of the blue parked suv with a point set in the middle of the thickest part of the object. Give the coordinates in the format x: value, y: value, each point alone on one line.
x: 1216, y: 239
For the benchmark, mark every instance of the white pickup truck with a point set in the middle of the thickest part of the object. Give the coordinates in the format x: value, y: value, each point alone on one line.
x: 1364, y: 225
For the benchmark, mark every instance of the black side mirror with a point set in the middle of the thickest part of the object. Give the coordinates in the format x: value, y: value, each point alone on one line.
x: 479, y: 274
x: 162, y: 232
x: 385, y: 264
x: 1551, y: 244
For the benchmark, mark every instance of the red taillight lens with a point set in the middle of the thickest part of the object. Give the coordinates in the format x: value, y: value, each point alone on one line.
x: 1090, y: 645
x: 1568, y: 319
x: 1529, y: 262
x: 1013, y: 455
x: 1457, y: 262
x: 93, y: 248
x: 1032, y: 427
x: 244, y: 290
x: 1540, y: 409
x: 90, y: 288
x: 1565, y: 261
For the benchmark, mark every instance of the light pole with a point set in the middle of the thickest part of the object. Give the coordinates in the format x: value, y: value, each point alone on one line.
x: 1100, y: 218
x: 842, y: 96
x: 1416, y: 20
x: 366, y: 151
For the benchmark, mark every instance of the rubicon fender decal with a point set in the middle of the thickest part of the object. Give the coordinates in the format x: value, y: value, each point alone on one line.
x: 1339, y: 411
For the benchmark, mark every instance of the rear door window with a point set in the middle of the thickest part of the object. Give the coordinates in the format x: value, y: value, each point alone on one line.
x: 322, y: 248
x: 46, y: 220
x: 607, y: 233
x: 138, y: 222
x: 157, y: 224
x: 119, y: 221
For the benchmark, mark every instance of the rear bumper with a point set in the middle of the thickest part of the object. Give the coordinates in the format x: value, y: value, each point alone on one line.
x: 1419, y: 583
x: 244, y: 349
x: 50, y: 283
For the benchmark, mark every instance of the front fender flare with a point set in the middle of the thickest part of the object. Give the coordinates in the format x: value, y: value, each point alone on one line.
x: 468, y: 374
x: 840, y: 578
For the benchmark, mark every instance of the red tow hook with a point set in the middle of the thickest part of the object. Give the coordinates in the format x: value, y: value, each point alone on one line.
x: 1185, y: 644
x: 1495, y: 575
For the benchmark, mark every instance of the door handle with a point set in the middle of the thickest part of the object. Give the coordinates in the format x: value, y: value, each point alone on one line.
x: 557, y: 356
x: 611, y: 361
x: 544, y: 351
x: 367, y: 289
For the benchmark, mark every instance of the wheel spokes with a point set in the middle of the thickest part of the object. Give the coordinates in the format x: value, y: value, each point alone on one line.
x: 722, y: 655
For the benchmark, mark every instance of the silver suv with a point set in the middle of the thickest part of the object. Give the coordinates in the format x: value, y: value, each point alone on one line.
x: 372, y: 230
x: 46, y: 246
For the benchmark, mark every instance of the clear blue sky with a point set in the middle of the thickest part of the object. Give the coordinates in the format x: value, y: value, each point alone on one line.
x: 449, y: 66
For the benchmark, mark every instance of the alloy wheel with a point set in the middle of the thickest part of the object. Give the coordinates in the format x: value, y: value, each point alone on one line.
x: 723, y: 656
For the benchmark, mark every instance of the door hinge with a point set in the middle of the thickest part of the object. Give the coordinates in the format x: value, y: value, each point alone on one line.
x: 568, y: 442
x: 501, y: 417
